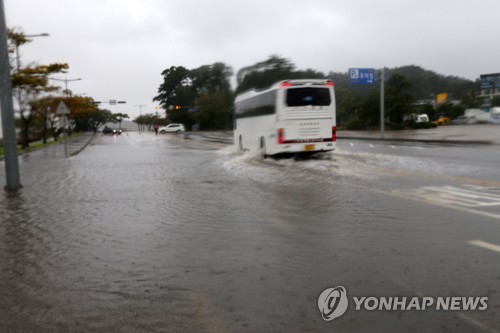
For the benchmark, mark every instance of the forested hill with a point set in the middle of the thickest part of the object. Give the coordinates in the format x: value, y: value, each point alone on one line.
x: 424, y: 82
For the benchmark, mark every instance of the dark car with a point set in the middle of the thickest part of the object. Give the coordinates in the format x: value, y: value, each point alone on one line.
x: 111, y: 131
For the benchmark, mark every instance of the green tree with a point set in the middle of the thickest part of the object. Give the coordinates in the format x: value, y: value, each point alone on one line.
x: 427, y: 109
x: 176, y: 95
x: 140, y: 120
x: 211, y: 78
x: 214, y: 95
x: 84, y: 114
x: 273, y: 63
x: 450, y: 110
x: 264, y: 74
x: 147, y: 120
x: 471, y: 101
x: 213, y: 110
x: 426, y: 82
x: 118, y: 117
x: 348, y: 106
x: 182, y: 90
x: 42, y: 108
x: 175, y: 89
x: 370, y: 108
x: 495, y: 101
x: 100, y: 117
x: 398, y: 100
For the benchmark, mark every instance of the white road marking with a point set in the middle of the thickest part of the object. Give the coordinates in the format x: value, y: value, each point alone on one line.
x: 351, y: 144
x: 485, y: 245
x: 468, y: 200
x: 394, y: 147
x: 461, y: 196
x: 371, y: 145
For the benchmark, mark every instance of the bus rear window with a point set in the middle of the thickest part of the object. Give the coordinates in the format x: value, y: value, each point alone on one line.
x: 308, y: 96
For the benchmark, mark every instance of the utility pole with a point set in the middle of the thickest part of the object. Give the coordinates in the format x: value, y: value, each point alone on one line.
x: 20, y: 101
x: 140, y: 106
x: 382, y: 106
x: 13, y: 182
x: 66, y: 91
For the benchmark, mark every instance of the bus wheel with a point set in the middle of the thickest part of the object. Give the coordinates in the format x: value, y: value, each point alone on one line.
x: 240, y: 145
x: 263, y: 148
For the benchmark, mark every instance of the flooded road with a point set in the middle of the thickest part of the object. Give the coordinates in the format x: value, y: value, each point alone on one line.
x: 144, y: 233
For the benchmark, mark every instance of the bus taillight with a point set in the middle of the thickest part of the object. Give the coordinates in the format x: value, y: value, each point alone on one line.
x: 334, y: 133
x: 281, y: 135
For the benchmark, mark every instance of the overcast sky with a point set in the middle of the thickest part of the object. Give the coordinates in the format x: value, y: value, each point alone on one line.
x: 120, y: 47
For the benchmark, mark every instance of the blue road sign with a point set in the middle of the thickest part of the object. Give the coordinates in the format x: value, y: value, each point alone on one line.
x: 361, y: 75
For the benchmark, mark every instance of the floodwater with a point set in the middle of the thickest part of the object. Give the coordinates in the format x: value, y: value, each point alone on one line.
x: 160, y: 234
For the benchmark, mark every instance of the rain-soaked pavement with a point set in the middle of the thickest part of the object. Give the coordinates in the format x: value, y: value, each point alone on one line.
x: 144, y: 233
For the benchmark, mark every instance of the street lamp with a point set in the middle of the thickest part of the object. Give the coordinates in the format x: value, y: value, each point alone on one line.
x: 44, y: 34
x: 19, y: 96
x: 66, y: 83
x: 140, y: 106
x: 18, y: 61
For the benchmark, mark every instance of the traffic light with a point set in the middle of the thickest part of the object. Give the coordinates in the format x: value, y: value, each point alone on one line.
x: 177, y: 107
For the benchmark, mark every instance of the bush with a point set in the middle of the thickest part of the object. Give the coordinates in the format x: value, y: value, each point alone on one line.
x: 396, y: 127
x: 424, y: 125
x: 356, y: 125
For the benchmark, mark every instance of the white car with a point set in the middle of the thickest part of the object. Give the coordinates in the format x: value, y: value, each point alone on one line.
x: 464, y: 120
x: 172, y: 128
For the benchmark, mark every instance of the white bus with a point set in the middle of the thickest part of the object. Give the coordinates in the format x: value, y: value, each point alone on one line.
x: 293, y: 116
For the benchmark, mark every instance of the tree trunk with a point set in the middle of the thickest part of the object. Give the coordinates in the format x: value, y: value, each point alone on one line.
x: 45, y: 129
x: 54, y: 132
x: 24, y: 131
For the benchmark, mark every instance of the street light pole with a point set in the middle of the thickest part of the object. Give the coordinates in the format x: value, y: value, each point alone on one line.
x: 18, y: 60
x: 66, y: 83
x: 140, y: 106
x: 382, y: 103
x: 19, y: 95
x: 13, y: 181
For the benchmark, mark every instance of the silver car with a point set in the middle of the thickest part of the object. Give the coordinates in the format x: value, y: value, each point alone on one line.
x: 172, y: 128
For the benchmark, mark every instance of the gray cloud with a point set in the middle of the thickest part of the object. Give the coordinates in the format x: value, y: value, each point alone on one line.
x: 119, y: 48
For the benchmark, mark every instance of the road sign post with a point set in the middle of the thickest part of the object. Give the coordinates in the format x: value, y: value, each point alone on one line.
x: 367, y: 76
x: 63, y: 111
x: 382, y: 104
x: 361, y: 75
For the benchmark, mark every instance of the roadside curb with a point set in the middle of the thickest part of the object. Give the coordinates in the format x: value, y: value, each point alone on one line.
x: 79, y: 150
x: 468, y: 142
x: 209, y: 138
x: 76, y: 152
